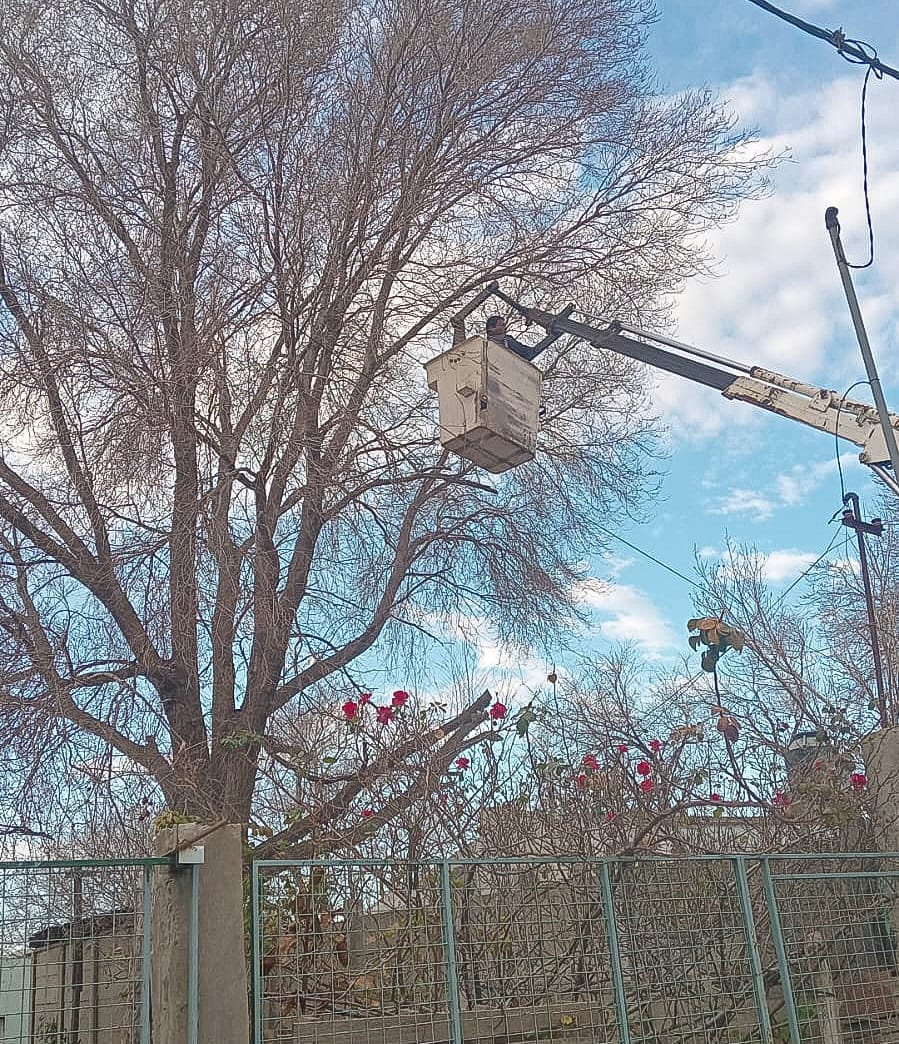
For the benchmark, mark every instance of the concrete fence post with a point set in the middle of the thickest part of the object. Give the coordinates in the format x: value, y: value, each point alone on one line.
x: 221, y: 1011
x: 881, y: 753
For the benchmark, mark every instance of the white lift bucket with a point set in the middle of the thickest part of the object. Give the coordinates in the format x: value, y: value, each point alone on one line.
x: 489, y: 402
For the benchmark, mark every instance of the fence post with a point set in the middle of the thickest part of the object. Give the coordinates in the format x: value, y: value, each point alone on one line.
x: 199, y: 975
x: 145, y: 956
x: 608, y: 909
x: 256, y: 954
x: 752, y: 947
x: 449, y: 951
x: 193, y: 957
x: 783, y: 964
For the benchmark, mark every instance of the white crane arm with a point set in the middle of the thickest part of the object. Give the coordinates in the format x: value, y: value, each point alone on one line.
x: 818, y: 408
x: 786, y: 396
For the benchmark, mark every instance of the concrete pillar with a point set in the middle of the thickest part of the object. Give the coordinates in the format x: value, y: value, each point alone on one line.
x: 223, y: 1015
x: 881, y: 751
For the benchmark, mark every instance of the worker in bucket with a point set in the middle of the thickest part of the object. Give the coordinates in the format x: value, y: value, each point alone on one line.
x: 496, y: 332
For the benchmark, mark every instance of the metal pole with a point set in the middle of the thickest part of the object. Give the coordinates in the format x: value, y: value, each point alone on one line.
x: 255, y: 925
x: 77, y: 953
x: 752, y: 945
x: 833, y: 227
x: 852, y: 517
x: 783, y: 963
x: 193, y: 958
x: 449, y: 953
x: 145, y: 956
x: 608, y: 909
x: 885, y: 477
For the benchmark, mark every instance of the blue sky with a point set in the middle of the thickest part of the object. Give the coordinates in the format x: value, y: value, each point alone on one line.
x: 733, y: 471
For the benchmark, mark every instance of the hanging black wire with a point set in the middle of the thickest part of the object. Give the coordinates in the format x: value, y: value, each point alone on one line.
x: 871, y: 69
x: 836, y: 436
x: 856, y: 52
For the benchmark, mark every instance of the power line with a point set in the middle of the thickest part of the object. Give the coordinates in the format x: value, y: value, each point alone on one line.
x: 698, y: 587
x: 806, y: 571
x: 646, y: 554
x: 836, y: 433
x: 851, y: 50
x: 857, y: 52
x: 870, y: 260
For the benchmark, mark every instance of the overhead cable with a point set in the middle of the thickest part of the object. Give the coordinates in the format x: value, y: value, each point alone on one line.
x: 851, y: 50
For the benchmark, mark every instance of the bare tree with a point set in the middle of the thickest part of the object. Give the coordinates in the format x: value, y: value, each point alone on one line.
x: 810, y: 664
x: 229, y: 235
x: 627, y: 758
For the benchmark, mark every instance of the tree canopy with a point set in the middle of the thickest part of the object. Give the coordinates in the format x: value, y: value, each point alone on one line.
x: 230, y: 233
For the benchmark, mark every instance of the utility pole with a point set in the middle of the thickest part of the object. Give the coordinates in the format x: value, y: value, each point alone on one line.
x: 889, y: 434
x: 852, y: 517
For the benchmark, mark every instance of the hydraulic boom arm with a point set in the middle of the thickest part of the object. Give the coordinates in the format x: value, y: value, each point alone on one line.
x: 817, y: 407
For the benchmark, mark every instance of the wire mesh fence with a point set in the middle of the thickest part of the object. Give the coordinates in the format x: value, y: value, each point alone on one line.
x: 74, y: 952
x: 731, y: 950
x: 835, y: 927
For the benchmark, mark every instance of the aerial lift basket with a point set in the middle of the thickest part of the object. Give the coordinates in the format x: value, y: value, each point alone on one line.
x: 489, y: 403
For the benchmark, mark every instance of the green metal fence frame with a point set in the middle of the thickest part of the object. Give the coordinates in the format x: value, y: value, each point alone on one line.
x: 766, y: 864
x: 147, y: 864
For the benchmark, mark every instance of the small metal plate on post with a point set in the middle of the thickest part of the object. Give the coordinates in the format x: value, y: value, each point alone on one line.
x: 192, y: 856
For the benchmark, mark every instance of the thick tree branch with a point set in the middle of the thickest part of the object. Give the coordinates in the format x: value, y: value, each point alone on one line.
x: 446, y: 741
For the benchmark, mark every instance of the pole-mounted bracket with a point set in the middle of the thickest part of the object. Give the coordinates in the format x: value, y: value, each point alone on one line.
x: 530, y: 315
x: 457, y: 322
x: 874, y: 527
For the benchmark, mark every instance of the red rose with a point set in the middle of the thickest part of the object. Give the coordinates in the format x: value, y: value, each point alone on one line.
x: 858, y: 780
x: 646, y: 785
x: 655, y: 745
x: 622, y: 748
x: 350, y: 710
x: 462, y: 763
x: 714, y: 797
x: 591, y: 762
x: 365, y: 697
x: 367, y: 813
x: 498, y: 711
x: 384, y: 715
x: 399, y: 698
x: 644, y: 768
x: 581, y: 780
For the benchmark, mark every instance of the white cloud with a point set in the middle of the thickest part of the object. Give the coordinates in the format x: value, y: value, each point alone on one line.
x: 839, y: 567
x: 118, y: 766
x: 616, y: 563
x: 628, y: 616
x: 794, y: 487
x: 509, y: 667
x: 744, y: 502
x: 785, y: 565
x: 776, y: 567
x: 787, y: 489
x: 777, y: 300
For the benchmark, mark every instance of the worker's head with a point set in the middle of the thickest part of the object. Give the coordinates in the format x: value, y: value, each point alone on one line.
x: 496, y: 326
